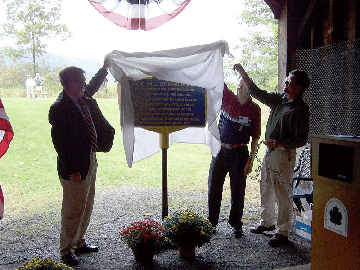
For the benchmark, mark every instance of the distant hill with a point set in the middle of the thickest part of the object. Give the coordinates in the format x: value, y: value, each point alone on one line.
x: 91, y: 66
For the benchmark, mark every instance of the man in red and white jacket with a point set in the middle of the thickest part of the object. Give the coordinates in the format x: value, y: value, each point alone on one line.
x: 240, y: 119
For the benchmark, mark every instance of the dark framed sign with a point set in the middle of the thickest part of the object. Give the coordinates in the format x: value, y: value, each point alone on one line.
x: 159, y: 103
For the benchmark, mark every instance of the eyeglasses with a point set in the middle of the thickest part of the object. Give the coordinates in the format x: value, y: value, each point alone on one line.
x: 288, y: 80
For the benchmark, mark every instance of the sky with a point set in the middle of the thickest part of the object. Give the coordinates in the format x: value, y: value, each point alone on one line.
x: 93, y: 36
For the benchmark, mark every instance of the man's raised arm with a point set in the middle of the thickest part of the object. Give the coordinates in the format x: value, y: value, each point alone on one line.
x: 261, y: 95
x: 98, y: 79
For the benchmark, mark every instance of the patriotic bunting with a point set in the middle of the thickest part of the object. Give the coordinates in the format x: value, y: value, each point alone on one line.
x: 6, y: 135
x: 6, y: 132
x: 1, y: 204
x: 139, y: 14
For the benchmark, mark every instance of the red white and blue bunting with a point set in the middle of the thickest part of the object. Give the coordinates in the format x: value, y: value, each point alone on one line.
x: 6, y: 135
x: 139, y: 14
x: 1, y: 204
x: 6, y: 131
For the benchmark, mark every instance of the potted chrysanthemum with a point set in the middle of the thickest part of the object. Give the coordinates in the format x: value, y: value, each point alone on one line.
x: 43, y: 264
x: 188, y: 230
x: 145, y: 238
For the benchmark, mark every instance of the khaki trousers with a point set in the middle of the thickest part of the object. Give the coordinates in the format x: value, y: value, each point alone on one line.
x: 77, y: 205
x: 275, y: 186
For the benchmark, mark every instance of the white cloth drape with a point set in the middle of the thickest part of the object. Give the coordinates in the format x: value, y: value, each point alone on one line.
x: 197, y: 65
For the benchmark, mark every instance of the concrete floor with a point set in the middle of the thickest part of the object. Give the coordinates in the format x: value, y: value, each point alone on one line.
x: 298, y: 267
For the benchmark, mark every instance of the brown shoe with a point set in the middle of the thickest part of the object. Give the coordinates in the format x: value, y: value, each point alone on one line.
x: 279, y: 240
x: 260, y: 229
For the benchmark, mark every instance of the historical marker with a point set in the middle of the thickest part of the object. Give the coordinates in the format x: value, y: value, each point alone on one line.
x: 164, y: 103
x: 165, y: 107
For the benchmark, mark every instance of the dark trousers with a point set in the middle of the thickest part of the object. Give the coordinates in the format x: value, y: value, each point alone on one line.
x: 230, y: 161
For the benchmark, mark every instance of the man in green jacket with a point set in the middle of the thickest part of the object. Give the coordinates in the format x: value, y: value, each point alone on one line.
x: 287, y: 129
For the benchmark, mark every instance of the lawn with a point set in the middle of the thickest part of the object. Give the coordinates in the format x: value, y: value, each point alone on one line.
x: 28, y: 173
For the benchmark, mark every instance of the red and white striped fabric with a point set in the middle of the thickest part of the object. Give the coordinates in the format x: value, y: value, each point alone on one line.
x: 6, y: 135
x: 1, y: 204
x: 6, y: 131
x: 139, y: 14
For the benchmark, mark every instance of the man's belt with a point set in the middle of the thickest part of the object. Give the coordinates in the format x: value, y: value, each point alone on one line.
x: 278, y: 148
x: 232, y: 146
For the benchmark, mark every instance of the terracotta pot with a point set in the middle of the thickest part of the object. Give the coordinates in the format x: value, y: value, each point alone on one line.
x: 187, y: 252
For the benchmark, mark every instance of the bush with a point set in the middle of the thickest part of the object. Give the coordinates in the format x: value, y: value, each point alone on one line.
x: 109, y: 92
x: 186, y: 228
x: 144, y: 235
x: 44, y: 264
x: 52, y: 83
x: 14, y: 76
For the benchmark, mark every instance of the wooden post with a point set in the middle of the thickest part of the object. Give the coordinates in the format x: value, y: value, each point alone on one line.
x: 350, y: 27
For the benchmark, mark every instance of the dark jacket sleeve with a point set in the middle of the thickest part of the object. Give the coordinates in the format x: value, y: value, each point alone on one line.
x: 96, y: 82
x: 256, y: 127
x: 269, y: 99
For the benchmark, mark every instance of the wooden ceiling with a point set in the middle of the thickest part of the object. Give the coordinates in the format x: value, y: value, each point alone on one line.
x: 275, y: 6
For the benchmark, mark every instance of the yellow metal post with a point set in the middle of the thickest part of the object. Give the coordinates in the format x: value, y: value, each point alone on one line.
x: 164, y: 144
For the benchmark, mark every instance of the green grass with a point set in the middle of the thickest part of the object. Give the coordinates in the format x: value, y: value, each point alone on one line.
x: 28, y: 172
x: 13, y: 92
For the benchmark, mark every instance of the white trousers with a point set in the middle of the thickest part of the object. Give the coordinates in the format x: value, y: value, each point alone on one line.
x: 30, y: 92
x: 77, y: 205
x: 275, y: 187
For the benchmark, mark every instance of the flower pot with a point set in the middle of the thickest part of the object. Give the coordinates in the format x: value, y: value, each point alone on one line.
x: 143, y: 256
x: 187, y: 252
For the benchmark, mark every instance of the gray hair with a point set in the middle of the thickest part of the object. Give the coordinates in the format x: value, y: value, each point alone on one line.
x: 67, y: 73
x: 301, y: 77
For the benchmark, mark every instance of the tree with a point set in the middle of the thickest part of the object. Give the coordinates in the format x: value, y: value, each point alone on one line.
x: 14, y: 76
x: 259, y: 50
x: 30, y: 23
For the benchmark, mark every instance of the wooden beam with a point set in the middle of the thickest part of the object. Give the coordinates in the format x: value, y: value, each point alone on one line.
x: 328, y: 24
x: 307, y: 17
x: 350, y: 27
x: 275, y: 6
